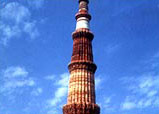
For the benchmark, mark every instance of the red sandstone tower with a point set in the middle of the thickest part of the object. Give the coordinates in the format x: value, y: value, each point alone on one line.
x: 81, y: 95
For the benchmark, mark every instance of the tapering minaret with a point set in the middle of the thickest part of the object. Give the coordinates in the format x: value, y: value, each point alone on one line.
x: 81, y: 94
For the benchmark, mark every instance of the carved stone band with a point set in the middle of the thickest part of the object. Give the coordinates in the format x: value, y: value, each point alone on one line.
x: 83, y: 32
x: 90, y: 66
x: 81, y: 109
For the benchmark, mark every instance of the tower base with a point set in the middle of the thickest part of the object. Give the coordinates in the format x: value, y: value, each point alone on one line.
x: 81, y: 109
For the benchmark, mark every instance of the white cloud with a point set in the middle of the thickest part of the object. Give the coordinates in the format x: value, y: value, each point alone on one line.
x: 36, y: 3
x: 30, y: 28
x: 14, y: 78
x: 128, y: 105
x: 97, y: 81
x: 106, y: 102
x: 8, y: 32
x: 63, y: 82
x: 156, y: 102
x: 15, y: 12
x: 112, y: 48
x: 152, y: 63
x: 53, y: 111
x: 15, y: 72
x: 144, y: 92
x: 15, y: 20
x: 37, y: 91
x: 152, y: 93
x: 143, y: 89
x: 61, y: 92
x: 50, y: 77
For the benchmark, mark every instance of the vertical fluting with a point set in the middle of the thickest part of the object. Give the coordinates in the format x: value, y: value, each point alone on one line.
x: 81, y: 92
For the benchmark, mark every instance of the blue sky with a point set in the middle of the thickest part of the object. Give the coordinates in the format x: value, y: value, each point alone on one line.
x: 36, y: 47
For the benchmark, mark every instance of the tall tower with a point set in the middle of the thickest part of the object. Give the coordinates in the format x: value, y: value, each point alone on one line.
x: 81, y: 95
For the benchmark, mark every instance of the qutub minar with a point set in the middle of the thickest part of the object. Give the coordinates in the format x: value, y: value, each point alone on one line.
x: 81, y: 94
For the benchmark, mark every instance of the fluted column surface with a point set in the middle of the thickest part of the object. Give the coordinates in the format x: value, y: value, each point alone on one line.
x: 81, y: 93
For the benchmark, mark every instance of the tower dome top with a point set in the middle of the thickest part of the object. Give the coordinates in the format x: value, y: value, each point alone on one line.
x: 84, y: 0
